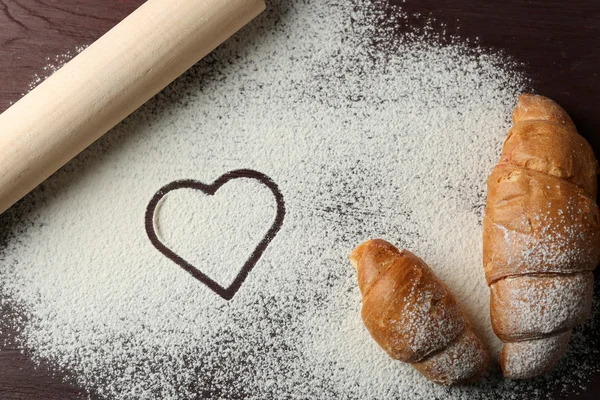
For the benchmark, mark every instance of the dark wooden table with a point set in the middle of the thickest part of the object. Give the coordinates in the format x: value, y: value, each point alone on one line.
x: 558, y: 43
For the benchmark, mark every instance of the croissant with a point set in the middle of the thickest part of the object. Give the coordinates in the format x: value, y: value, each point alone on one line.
x: 541, y: 237
x: 413, y: 316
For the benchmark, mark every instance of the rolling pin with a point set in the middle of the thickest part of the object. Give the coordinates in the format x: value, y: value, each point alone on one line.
x: 107, y: 82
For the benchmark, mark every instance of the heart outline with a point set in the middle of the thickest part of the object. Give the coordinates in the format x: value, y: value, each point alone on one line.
x: 228, y: 292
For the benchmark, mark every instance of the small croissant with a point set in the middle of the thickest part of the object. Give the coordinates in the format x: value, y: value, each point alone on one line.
x: 413, y: 316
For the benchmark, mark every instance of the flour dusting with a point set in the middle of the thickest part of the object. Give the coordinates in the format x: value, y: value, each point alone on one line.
x: 367, y: 134
x: 216, y: 234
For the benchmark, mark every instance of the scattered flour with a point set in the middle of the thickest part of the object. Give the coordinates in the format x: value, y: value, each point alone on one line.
x: 365, y: 133
x: 216, y: 233
x: 54, y: 64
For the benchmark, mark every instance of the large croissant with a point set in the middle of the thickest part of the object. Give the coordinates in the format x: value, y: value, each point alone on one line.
x: 413, y: 316
x: 541, y: 237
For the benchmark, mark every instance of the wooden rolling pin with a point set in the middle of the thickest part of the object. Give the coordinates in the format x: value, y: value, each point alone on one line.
x: 107, y: 82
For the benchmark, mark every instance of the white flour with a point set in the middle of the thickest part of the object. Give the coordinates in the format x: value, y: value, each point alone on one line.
x: 216, y: 233
x: 362, y: 143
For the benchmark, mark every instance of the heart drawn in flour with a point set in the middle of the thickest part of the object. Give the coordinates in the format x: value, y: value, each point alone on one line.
x: 227, y: 292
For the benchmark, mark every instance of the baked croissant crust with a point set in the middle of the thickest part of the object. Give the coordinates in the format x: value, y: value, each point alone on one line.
x: 541, y: 237
x: 413, y: 316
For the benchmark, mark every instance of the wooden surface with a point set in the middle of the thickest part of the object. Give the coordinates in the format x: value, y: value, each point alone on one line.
x: 558, y: 43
